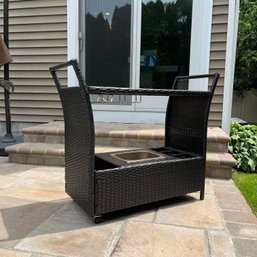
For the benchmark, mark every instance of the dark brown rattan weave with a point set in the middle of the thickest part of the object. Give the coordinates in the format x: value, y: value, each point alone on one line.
x: 100, y: 186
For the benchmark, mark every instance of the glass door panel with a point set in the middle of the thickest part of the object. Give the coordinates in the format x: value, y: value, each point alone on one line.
x: 165, y: 42
x: 142, y: 44
x: 107, y: 42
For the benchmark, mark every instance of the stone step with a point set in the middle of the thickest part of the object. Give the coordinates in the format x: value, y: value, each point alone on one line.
x: 45, y: 154
x: 52, y: 133
x: 217, y: 164
x: 121, y: 135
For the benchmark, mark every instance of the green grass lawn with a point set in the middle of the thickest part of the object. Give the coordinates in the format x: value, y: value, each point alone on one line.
x: 247, y: 184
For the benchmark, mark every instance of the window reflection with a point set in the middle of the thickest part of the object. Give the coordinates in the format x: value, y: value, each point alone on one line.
x: 165, y: 41
x: 108, y: 24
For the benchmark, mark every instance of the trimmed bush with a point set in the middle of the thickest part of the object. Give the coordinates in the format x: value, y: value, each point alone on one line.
x: 243, y: 146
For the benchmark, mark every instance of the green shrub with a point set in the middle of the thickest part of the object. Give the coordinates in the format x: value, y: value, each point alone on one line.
x: 246, y: 55
x: 243, y: 146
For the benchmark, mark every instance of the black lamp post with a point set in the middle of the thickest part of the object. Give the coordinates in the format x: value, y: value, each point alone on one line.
x: 8, y: 139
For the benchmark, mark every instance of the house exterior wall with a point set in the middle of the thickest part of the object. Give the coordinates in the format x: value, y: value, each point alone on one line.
x: 218, y: 57
x: 38, y: 40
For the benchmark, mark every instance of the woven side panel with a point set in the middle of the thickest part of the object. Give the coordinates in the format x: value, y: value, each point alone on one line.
x: 79, y: 147
x: 140, y: 184
x: 186, y: 123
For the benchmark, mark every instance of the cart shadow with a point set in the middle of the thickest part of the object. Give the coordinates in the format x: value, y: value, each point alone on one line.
x: 42, y: 218
x: 138, y: 211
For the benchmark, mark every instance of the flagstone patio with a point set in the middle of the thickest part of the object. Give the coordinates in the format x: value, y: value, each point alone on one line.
x: 38, y: 219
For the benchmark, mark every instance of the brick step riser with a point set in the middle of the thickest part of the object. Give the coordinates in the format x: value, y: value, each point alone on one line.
x: 118, y: 142
x: 219, y: 172
x: 211, y: 171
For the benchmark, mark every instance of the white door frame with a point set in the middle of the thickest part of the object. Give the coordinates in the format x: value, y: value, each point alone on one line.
x: 73, y: 37
x: 200, y: 42
x: 233, y: 17
x: 199, y: 59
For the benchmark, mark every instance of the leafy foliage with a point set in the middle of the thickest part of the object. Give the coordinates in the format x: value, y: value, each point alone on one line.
x: 246, y: 58
x: 243, y: 146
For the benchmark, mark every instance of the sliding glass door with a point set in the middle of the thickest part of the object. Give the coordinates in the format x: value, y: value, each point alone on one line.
x: 143, y: 44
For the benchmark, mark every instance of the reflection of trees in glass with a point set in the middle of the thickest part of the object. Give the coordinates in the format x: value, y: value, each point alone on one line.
x: 97, y: 32
x: 166, y: 27
x: 108, y: 48
x: 166, y: 33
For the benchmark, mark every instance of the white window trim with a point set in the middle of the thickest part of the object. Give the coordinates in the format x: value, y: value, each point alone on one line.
x: 233, y: 17
x: 201, y: 39
x: 73, y: 37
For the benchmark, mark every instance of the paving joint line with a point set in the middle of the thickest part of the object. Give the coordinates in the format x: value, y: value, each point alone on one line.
x: 207, y: 242
x: 117, y: 237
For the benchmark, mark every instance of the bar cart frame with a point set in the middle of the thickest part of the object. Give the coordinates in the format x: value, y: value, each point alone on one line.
x: 100, y: 185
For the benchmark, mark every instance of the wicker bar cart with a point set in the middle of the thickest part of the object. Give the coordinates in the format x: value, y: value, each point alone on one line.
x: 104, y: 183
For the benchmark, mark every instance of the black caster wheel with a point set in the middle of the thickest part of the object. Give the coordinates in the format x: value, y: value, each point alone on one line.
x: 97, y: 219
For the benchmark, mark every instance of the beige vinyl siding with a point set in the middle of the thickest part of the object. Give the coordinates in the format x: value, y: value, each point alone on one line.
x: 38, y: 40
x: 218, y: 56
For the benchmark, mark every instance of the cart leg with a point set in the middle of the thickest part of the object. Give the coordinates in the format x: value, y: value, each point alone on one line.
x: 202, y: 194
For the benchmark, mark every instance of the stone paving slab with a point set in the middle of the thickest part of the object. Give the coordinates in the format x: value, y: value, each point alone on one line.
x: 70, y: 232
x: 146, y: 239
x: 237, y: 206
x: 242, y: 230
x: 192, y: 213
x: 245, y: 247
x: 41, y: 255
x: 7, y: 253
x: 34, y: 189
x: 7, y: 181
x: 227, y: 189
x: 37, y: 219
x: 14, y: 169
x: 208, y: 188
x: 238, y: 216
x: 220, y: 244
x: 46, y: 173
x: 19, y: 216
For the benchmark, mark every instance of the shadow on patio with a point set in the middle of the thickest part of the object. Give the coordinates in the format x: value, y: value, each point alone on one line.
x: 21, y: 220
